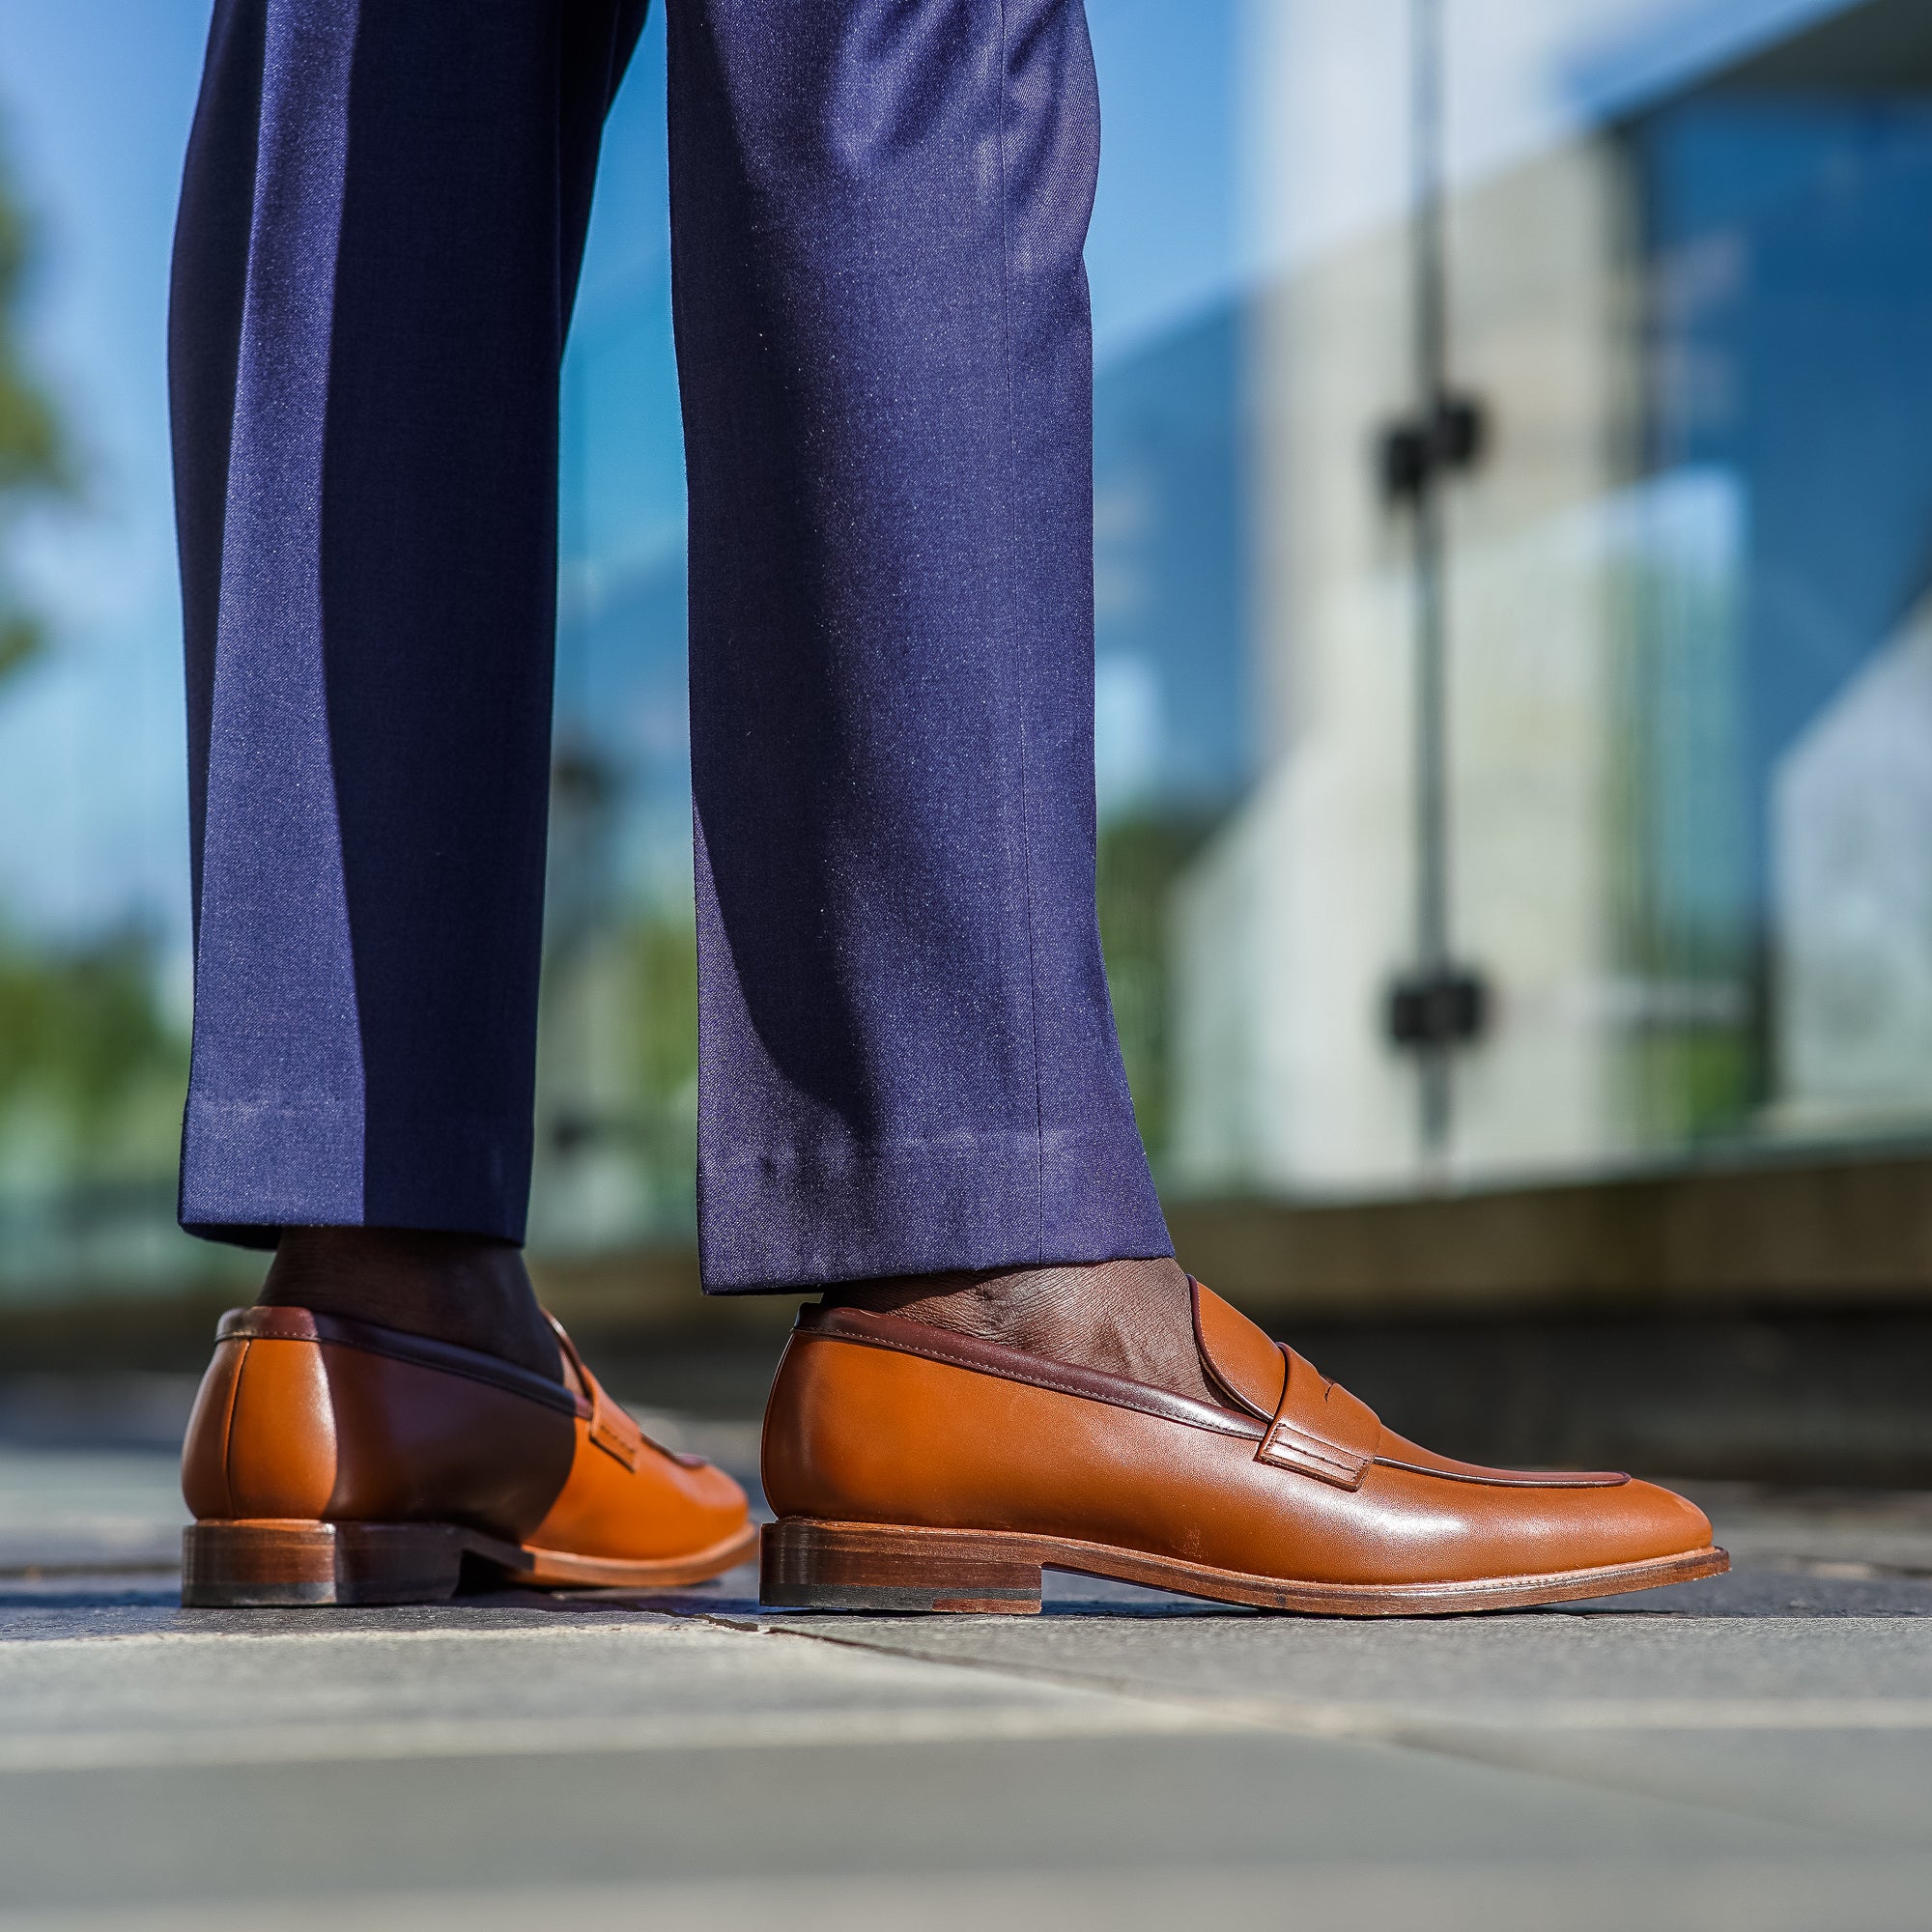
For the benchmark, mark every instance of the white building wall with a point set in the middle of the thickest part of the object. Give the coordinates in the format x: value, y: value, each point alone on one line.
x: 1298, y: 917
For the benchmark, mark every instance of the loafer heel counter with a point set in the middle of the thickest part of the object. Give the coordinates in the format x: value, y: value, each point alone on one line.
x: 811, y: 1455
x: 205, y: 1446
x: 261, y: 1441
x: 782, y: 1439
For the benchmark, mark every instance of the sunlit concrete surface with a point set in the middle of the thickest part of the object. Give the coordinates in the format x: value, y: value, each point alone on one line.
x: 1752, y: 1752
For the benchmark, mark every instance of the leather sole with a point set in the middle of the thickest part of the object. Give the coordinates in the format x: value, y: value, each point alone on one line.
x: 854, y: 1566
x: 277, y: 1563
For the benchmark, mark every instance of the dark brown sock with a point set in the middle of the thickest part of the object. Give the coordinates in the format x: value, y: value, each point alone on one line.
x: 1133, y: 1318
x: 455, y: 1288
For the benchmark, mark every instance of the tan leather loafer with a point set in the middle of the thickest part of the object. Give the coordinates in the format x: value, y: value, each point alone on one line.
x: 915, y: 1469
x: 336, y: 1462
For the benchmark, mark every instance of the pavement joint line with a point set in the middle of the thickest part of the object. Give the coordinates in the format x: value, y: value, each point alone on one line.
x: 305, y: 1742
x: 578, y: 1625
x: 1591, y: 1715
x: 1401, y: 1720
x: 1394, y: 1727
x: 1066, y: 1705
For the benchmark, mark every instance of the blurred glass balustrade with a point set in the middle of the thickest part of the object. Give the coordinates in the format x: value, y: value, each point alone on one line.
x: 1684, y: 623
x: 1687, y: 727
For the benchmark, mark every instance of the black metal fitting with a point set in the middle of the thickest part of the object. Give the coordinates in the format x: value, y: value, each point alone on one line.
x: 1449, y: 1008
x: 1414, y: 451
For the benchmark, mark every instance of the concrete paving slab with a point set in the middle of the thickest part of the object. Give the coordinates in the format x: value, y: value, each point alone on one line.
x: 67, y: 1507
x: 1445, y: 1665
x: 759, y: 1804
x: 1826, y: 1724
x: 1750, y: 1751
x: 399, y: 1686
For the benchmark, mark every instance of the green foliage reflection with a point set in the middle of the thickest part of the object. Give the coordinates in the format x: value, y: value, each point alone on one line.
x: 91, y: 1072
x: 35, y: 462
x: 1139, y: 859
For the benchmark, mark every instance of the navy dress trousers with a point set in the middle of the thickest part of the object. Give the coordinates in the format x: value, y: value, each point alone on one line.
x: 908, y: 1060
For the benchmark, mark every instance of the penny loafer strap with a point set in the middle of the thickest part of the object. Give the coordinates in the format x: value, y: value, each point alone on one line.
x: 1319, y: 1429
x: 611, y: 1426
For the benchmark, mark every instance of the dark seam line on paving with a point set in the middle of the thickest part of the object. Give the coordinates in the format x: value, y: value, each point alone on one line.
x: 1465, y: 1753
x: 1406, y: 1735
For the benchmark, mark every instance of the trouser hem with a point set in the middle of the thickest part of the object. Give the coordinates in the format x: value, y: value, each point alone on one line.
x: 781, y: 1221
x: 251, y: 1169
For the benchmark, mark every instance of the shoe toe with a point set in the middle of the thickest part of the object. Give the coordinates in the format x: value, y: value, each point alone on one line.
x: 1633, y: 1523
x: 1656, y: 1521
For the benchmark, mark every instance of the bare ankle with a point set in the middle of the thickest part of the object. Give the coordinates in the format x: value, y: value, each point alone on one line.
x: 1127, y: 1317
x: 460, y: 1288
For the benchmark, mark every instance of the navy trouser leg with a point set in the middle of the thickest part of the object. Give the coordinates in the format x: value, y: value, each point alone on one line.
x: 381, y: 224
x: 908, y: 1060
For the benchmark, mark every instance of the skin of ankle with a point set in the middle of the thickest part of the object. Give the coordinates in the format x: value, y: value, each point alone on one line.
x: 1127, y: 1317
x: 453, y: 1288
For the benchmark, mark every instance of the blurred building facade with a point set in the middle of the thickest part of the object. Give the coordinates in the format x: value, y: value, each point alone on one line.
x: 1685, y: 595
x: 1686, y: 658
